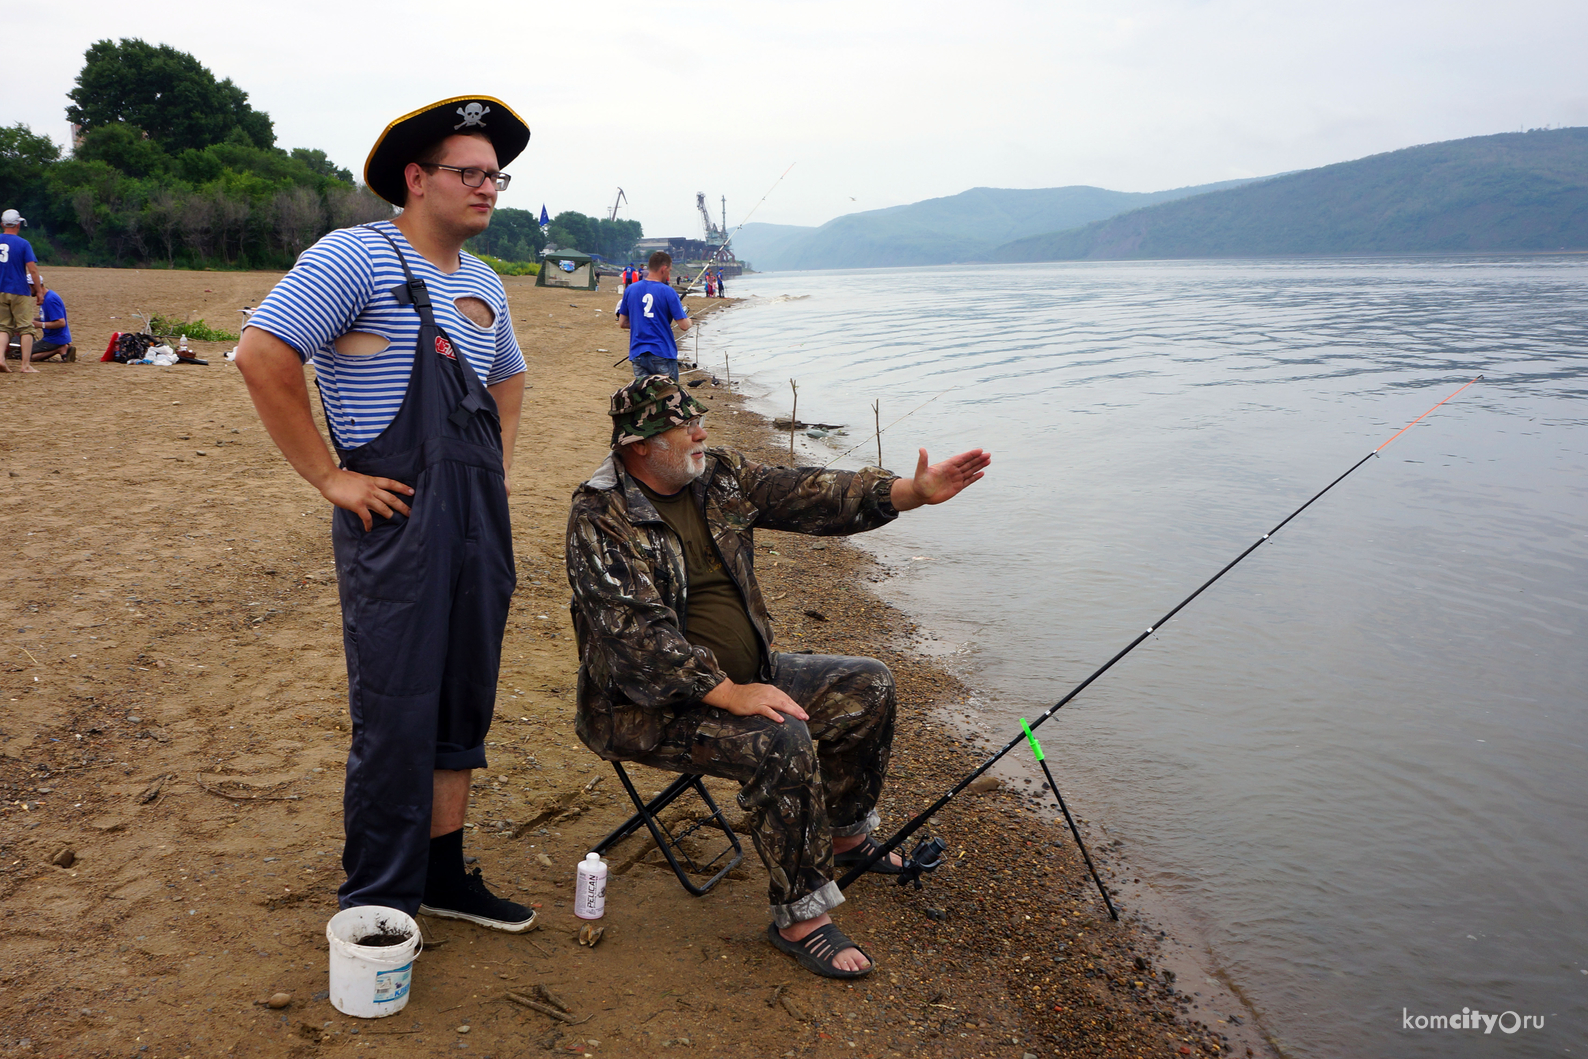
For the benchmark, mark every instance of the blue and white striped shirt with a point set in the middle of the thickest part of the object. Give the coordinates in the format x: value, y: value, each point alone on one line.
x: 343, y: 283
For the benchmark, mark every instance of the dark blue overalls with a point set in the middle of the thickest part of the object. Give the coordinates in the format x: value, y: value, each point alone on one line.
x: 424, y: 606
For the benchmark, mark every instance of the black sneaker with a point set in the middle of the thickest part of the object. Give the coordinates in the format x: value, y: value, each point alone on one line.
x: 468, y: 898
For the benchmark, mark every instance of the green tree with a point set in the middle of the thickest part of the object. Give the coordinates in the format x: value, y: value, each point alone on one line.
x: 167, y: 93
x: 25, y: 161
x: 514, y: 235
x: 124, y: 147
x: 317, y: 162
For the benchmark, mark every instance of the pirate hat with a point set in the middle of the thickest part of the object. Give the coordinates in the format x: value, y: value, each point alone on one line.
x: 413, y: 134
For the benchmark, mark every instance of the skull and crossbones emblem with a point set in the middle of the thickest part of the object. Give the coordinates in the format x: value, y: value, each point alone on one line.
x: 473, y: 114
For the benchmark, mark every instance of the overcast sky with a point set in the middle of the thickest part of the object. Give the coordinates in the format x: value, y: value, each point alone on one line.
x: 876, y: 103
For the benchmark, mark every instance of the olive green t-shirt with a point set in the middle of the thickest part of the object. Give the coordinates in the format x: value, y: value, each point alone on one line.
x: 716, y: 617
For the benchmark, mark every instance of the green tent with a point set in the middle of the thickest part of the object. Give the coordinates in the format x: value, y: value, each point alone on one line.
x: 567, y: 268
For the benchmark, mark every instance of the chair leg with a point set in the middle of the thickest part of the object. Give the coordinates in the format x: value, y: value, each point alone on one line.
x: 666, y: 842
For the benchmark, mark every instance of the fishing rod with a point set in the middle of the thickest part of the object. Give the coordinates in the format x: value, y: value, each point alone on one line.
x: 707, y: 266
x: 914, y: 825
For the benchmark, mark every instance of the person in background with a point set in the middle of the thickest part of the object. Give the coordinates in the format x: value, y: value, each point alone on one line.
x: 56, y: 335
x: 19, y: 280
x: 722, y: 289
x: 648, y: 311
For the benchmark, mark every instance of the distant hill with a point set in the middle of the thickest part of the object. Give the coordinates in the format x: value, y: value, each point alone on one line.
x: 1511, y: 192
x: 961, y: 227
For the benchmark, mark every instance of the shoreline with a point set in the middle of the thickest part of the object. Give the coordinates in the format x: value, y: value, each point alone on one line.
x: 1183, y: 945
x: 178, y: 720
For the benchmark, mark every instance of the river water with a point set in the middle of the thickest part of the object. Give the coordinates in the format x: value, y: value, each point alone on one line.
x: 1358, y: 762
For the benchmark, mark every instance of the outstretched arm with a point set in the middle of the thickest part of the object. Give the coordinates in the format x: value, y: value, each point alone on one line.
x: 940, y: 481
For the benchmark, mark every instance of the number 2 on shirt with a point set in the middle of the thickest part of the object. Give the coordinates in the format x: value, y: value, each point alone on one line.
x: 649, y: 300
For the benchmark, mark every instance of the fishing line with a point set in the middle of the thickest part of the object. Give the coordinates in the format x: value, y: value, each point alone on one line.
x: 890, y: 426
x: 705, y: 268
x: 914, y: 825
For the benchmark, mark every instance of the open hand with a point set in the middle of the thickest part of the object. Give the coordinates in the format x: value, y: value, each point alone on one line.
x: 940, y: 481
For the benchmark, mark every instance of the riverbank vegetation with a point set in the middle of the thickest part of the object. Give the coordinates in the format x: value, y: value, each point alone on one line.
x: 173, y: 168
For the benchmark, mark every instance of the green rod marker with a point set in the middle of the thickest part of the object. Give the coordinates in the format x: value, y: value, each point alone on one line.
x: 1036, y: 747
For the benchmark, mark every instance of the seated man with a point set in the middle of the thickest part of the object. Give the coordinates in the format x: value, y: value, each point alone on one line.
x: 57, y: 335
x: 676, y: 667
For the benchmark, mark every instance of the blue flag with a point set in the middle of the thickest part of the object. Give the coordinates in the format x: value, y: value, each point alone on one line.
x: 545, y: 221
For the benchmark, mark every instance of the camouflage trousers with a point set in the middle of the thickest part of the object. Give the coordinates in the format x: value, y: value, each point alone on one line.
x: 805, y: 782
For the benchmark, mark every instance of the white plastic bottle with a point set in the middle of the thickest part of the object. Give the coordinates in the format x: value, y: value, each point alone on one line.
x: 590, y: 888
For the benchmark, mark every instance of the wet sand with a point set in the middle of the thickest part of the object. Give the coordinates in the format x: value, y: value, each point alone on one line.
x: 176, y: 718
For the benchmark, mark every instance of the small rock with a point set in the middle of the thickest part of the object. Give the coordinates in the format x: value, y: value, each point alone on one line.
x: 65, y: 858
x: 545, y: 860
x: 464, y: 1028
x: 816, y: 615
x: 279, y: 1001
x: 936, y: 914
x: 793, y: 1008
x: 984, y: 784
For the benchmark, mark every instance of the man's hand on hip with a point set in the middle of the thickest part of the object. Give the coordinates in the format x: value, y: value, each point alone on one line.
x: 365, y: 496
x: 748, y: 700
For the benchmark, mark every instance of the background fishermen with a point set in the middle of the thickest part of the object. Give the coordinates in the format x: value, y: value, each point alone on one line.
x: 677, y: 669
x: 20, y: 286
x: 422, y: 381
x: 647, y: 312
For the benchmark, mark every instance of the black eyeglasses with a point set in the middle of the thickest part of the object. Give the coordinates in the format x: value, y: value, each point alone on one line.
x: 471, y: 177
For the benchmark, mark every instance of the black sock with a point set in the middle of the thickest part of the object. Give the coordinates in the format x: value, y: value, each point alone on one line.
x: 446, y: 861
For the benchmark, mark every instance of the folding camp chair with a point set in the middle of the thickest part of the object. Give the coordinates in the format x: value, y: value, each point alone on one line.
x: 667, y: 841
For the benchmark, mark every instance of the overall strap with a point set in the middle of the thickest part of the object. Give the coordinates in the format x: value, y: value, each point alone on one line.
x: 415, y: 293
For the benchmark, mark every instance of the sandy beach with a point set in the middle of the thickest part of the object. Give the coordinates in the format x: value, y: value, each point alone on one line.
x: 175, y: 729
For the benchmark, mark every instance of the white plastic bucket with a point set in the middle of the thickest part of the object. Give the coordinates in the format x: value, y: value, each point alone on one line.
x: 371, y: 981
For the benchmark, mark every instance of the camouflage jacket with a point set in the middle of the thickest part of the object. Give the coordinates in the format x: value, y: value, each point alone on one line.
x: 630, y: 601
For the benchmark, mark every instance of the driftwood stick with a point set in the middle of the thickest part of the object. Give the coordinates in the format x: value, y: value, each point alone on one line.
x: 535, y: 1005
x: 246, y: 797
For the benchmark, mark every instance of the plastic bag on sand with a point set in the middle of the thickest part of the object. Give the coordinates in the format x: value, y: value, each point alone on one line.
x: 161, y: 356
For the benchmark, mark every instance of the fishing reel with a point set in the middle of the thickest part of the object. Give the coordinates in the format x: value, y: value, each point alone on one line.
x: 926, y: 857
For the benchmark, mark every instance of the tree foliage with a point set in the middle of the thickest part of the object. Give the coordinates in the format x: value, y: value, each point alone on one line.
x: 174, y: 168
x: 168, y: 94
x: 613, y: 240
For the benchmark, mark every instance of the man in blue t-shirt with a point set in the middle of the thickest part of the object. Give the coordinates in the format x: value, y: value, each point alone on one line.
x: 57, y: 337
x: 18, y: 276
x: 648, y: 311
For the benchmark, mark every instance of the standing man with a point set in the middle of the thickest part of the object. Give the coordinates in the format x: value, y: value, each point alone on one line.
x: 647, y: 312
x: 422, y: 381
x: 57, y: 336
x: 19, y: 278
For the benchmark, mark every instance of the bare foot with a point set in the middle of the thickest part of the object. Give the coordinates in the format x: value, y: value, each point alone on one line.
x: 846, y: 960
x: 844, y: 845
x: 28, y: 369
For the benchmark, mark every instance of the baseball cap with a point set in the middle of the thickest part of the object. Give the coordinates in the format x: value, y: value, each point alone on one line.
x: 12, y: 217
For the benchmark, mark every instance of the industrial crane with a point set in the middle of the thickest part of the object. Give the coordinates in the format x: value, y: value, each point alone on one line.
x: 615, y: 202
x: 713, y: 233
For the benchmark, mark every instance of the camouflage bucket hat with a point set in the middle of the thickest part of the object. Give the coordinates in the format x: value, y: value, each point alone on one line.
x: 648, y: 406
